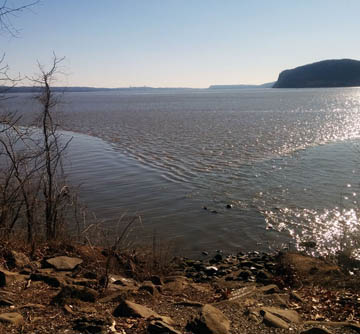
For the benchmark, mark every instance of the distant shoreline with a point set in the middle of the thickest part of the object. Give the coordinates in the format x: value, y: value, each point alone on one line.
x: 79, y: 89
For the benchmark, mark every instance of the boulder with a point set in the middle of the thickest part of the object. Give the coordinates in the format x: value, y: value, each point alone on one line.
x: 210, y: 320
x: 13, y: 318
x: 129, y: 309
x: 64, y: 262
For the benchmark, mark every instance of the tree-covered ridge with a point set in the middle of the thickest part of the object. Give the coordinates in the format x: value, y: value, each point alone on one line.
x: 326, y: 73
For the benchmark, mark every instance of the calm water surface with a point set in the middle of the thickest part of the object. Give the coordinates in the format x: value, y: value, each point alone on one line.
x: 286, y: 160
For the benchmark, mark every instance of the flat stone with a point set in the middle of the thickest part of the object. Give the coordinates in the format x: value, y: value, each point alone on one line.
x: 176, y: 283
x: 160, y: 327
x: 12, y: 318
x: 130, y: 309
x: 271, y: 288
x: 290, y: 316
x: 274, y: 321
x: 316, y: 330
x: 164, y: 319
x: 210, y: 320
x: 33, y: 306
x: 118, y: 295
x: 64, y: 262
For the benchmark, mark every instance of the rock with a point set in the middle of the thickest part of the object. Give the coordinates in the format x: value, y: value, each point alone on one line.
x: 263, y: 276
x: 156, y: 280
x: 8, y: 277
x: 91, y: 325
x: 280, y: 300
x: 118, y: 295
x: 211, y: 270
x: 68, y: 309
x: 149, y: 287
x: 209, y: 321
x: 86, y: 309
x: 90, y: 275
x: 160, y: 327
x: 244, y: 275
x: 274, y: 321
x: 296, y: 296
x: 16, y: 260
x: 269, y: 289
x: 120, y: 280
x: 285, y: 314
x: 82, y: 282
x: 51, y: 280
x: 64, y: 262
x: 12, y: 318
x: 176, y: 283
x: 130, y: 309
x: 228, y: 206
x: 69, y: 292
x: 308, y: 244
x: 6, y: 301
x: 33, y: 306
x: 189, y: 303
x: 163, y: 318
x: 316, y: 330
x: 218, y: 258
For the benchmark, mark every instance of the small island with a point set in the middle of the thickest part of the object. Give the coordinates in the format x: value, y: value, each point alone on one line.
x: 326, y: 73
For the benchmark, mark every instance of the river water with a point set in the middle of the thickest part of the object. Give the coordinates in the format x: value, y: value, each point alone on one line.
x: 285, y: 160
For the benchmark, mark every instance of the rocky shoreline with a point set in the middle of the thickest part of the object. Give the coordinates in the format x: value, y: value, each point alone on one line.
x: 75, y: 290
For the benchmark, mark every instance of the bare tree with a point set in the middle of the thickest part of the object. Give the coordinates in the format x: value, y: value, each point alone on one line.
x: 33, y: 189
x: 9, y: 11
x: 52, y: 149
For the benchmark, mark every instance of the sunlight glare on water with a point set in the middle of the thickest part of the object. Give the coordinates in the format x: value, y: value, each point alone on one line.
x: 282, y: 158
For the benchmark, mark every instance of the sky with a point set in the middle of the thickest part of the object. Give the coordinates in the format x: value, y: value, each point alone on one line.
x: 179, y: 43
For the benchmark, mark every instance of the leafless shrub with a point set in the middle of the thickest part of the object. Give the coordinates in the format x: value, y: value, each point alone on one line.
x: 33, y: 191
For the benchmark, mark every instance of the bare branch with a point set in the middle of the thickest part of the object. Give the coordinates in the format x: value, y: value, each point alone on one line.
x: 7, y: 11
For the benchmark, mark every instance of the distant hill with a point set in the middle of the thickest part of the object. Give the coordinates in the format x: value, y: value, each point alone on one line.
x: 265, y: 85
x: 326, y: 73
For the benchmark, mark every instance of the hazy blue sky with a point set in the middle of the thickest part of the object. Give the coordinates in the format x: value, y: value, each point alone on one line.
x: 181, y: 43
